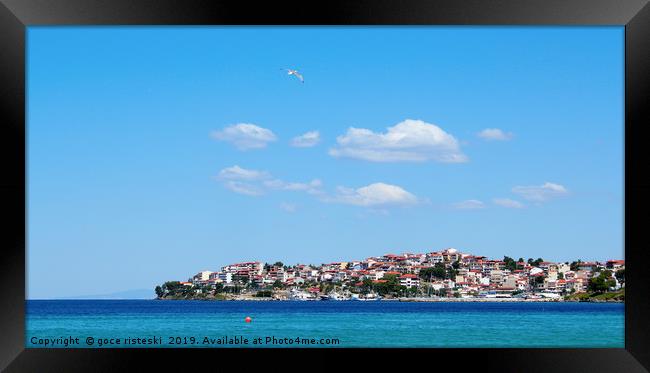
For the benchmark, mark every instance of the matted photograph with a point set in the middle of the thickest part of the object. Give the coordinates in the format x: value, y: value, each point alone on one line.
x: 325, y: 186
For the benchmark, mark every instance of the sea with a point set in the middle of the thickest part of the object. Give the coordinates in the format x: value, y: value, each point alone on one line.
x: 330, y: 324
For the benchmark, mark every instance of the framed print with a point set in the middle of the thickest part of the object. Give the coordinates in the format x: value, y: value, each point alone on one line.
x: 203, y: 182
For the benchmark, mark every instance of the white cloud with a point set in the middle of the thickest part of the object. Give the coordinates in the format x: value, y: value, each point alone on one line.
x: 409, y: 141
x: 377, y: 194
x: 244, y: 188
x: 312, y: 187
x: 288, y: 207
x: 507, y: 202
x: 245, y: 136
x: 494, y: 134
x: 470, y: 204
x: 540, y: 193
x: 306, y: 140
x: 238, y: 173
x: 254, y: 182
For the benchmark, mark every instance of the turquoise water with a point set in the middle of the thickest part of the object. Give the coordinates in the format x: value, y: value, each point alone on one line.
x: 352, y: 324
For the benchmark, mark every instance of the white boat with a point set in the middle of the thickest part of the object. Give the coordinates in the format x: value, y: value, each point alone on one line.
x: 550, y: 295
x: 300, y: 295
x: 337, y: 296
x: 371, y: 297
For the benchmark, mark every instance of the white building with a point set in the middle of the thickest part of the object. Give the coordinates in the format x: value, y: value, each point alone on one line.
x: 202, y: 276
x: 409, y: 280
x: 225, y: 277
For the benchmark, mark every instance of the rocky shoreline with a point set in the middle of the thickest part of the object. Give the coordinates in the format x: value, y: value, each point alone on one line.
x: 516, y: 300
x: 412, y: 300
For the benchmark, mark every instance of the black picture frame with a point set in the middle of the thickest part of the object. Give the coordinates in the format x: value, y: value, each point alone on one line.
x: 16, y: 15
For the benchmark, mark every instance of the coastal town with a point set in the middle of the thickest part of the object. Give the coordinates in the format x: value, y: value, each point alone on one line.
x: 446, y: 275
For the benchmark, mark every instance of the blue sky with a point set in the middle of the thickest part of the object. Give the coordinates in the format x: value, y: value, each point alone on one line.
x: 156, y: 152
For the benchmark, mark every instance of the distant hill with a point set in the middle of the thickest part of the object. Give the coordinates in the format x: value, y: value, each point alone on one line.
x: 126, y: 294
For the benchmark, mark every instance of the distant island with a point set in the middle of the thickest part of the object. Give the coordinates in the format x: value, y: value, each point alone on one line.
x: 446, y: 275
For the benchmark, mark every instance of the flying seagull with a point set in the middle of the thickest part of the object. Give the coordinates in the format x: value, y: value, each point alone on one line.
x: 295, y: 73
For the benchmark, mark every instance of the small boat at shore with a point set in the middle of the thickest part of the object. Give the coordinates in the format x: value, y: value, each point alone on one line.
x: 301, y: 295
x: 333, y: 296
x: 371, y: 297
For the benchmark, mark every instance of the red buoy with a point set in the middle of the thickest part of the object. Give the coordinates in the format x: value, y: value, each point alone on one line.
x: 248, y: 319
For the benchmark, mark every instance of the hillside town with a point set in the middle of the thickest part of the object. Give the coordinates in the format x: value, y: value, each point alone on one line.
x: 439, y: 275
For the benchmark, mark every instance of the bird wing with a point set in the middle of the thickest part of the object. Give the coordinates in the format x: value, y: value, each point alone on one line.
x: 299, y: 76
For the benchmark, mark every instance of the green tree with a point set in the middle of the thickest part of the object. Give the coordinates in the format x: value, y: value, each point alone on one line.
x: 412, y: 291
x: 278, y: 264
x: 366, y: 286
x: 510, y: 263
x: 240, y: 279
x: 574, y: 265
x: 173, y: 288
x: 439, y: 271
x: 452, y: 273
x: 601, y: 283
x: 426, y: 273
x: 264, y: 294
x: 159, y: 292
x: 391, y: 286
x: 277, y: 284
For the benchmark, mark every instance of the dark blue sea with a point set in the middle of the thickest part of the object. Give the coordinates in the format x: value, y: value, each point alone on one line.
x: 197, y: 324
